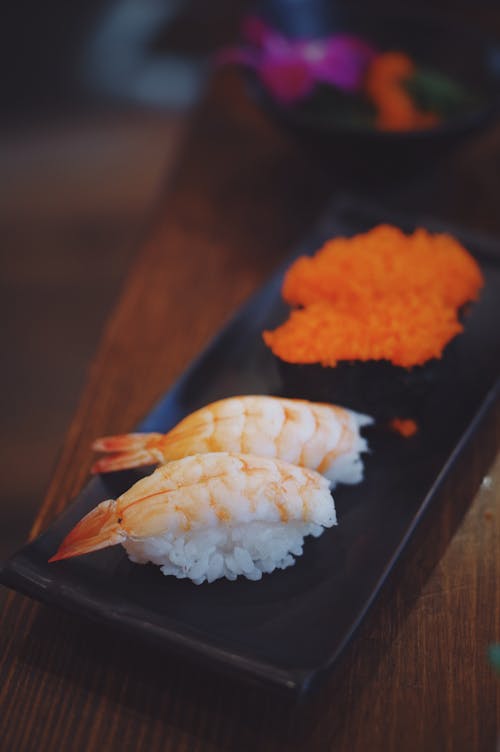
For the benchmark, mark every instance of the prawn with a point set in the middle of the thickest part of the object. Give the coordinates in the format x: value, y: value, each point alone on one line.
x: 322, y: 437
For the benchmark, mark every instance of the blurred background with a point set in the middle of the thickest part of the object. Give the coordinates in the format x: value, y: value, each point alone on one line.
x: 97, y: 98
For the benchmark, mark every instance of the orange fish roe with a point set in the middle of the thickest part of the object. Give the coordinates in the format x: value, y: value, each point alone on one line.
x: 404, y: 426
x: 384, y: 85
x: 383, y: 295
x: 400, y: 330
x: 381, y: 263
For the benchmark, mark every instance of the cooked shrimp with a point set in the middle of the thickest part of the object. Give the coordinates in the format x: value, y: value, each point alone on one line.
x: 318, y: 436
x: 211, y: 515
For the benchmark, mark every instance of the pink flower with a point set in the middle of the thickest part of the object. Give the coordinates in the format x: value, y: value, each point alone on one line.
x: 339, y: 60
x: 289, y: 68
x: 287, y: 79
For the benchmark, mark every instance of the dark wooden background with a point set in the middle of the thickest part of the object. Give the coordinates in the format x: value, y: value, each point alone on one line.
x: 417, y: 676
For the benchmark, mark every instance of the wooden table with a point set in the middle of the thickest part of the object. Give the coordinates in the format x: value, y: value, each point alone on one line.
x: 417, y: 676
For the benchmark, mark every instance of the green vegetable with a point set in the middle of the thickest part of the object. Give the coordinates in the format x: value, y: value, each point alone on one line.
x: 436, y: 92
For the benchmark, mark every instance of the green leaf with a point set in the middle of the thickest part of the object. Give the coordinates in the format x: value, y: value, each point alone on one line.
x: 436, y: 92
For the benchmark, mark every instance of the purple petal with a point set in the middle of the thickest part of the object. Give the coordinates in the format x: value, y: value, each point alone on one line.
x: 287, y: 81
x: 269, y: 41
x: 340, y: 61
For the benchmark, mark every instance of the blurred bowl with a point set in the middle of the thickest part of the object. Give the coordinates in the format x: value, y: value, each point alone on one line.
x: 465, y: 56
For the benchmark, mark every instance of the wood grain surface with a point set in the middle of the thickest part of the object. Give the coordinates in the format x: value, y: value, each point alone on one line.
x: 417, y: 677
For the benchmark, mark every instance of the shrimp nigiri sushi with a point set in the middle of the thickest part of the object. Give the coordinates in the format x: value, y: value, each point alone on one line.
x: 325, y: 438
x: 211, y: 515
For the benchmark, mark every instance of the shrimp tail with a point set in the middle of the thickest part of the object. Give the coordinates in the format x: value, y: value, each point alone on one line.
x: 126, y: 451
x: 100, y: 528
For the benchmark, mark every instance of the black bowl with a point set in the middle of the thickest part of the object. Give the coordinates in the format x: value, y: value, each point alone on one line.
x: 466, y: 56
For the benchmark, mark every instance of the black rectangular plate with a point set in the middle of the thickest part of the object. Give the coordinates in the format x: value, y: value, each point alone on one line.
x: 290, y: 627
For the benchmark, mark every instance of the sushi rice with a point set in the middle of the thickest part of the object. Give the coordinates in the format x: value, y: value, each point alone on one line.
x: 250, y: 550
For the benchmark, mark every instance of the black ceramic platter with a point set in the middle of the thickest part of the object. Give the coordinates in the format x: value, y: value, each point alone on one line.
x: 291, y: 627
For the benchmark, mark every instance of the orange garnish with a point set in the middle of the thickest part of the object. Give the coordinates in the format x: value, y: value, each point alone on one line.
x: 404, y: 426
x: 384, y: 85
